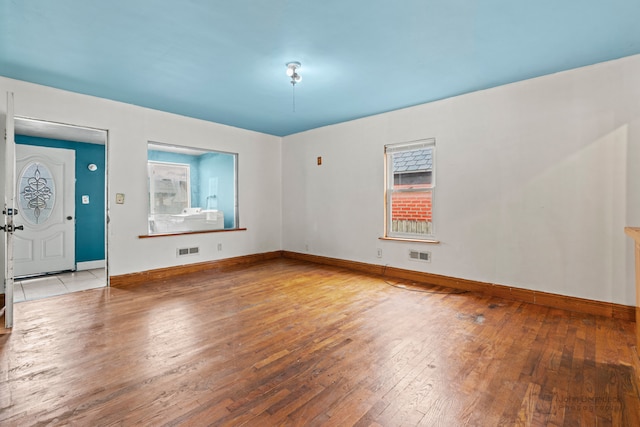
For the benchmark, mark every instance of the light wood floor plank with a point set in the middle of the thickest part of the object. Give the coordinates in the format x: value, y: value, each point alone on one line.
x: 285, y: 342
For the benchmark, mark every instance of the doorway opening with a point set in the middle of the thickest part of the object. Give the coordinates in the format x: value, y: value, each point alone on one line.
x: 72, y: 257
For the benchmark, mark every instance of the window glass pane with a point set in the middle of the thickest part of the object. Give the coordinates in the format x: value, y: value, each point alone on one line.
x: 169, y: 188
x: 411, y: 213
x: 413, y: 167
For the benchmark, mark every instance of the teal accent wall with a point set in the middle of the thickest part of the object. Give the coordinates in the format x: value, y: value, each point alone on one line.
x: 222, y: 167
x: 90, y: 219
x: 204, y: 168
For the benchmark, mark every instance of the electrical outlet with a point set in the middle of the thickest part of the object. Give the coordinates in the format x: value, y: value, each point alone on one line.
x: 379, y: 253
x: 219, y: 246
x: 85, y: 199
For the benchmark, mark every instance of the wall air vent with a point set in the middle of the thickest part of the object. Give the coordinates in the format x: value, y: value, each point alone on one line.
x: 419, y: 256
x: 187, y: 251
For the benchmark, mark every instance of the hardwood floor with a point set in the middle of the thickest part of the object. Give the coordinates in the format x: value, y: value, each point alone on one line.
x: 285, y: 342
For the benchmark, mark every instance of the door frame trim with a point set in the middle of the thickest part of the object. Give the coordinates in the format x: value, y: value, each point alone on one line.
x: 30, y: 126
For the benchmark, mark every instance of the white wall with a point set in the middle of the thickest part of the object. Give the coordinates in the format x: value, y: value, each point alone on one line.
x: 130, y: 128
x: 535, y: 182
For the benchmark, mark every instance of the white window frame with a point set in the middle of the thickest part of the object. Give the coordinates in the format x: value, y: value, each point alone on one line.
x: 389, y: 191
x: 155, y: 168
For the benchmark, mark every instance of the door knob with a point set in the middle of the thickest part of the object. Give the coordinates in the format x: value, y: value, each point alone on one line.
x: 18, y: 227
x: 69, y: 217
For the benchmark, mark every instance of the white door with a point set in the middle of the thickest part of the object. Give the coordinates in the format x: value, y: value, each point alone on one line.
x: 45, y: 198
x: 6, y: 223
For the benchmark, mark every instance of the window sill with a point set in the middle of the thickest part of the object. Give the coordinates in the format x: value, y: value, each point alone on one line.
x: 182, y: 233
x: 404, y: 239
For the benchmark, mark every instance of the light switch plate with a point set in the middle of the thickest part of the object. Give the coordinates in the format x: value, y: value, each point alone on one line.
x: 120, y: 198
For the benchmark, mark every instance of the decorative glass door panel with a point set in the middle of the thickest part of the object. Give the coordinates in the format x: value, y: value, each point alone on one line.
x: 37, y: 193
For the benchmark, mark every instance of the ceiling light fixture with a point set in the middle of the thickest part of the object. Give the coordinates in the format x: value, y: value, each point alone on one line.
x: 292, y: 72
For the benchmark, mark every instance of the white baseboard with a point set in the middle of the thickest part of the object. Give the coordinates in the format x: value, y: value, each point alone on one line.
x: 90, y: 265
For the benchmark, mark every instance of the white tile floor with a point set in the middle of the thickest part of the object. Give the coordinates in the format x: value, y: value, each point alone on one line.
x: 58, y: 284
